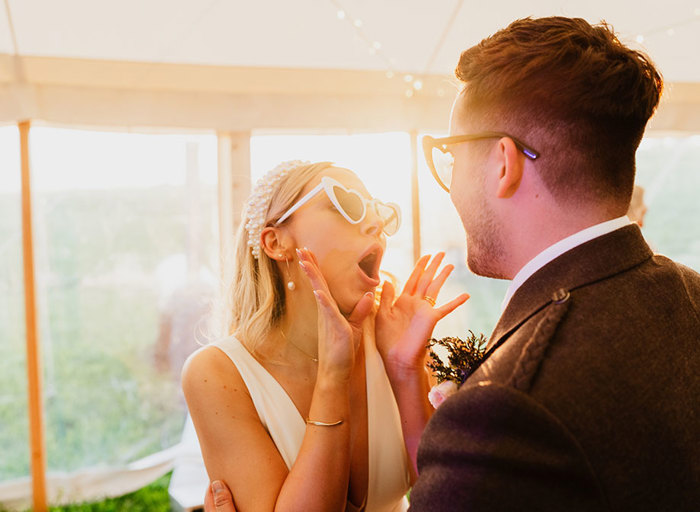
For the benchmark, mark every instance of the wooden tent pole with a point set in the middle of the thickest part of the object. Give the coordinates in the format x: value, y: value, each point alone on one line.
x: 234, y: 189
x: 415, y: 196
x: 34, y: 377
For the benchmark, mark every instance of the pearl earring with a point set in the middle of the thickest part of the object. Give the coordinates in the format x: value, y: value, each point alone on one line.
x: 291, y: 286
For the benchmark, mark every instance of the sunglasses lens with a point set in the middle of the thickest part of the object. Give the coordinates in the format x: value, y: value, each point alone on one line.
x: 350, y: 202
x: 443, y: 166
x: 389, y: 214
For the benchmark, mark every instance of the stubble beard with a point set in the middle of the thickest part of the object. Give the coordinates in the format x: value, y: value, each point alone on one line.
x: 485, y: 253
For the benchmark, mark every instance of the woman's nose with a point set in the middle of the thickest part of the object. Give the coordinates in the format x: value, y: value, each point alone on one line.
x: 372, y: 223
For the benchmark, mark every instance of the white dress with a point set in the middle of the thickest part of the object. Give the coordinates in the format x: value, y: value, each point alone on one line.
x: 389, y: 478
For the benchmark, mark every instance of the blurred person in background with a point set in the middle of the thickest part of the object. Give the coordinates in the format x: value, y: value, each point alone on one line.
x: 637, y: 209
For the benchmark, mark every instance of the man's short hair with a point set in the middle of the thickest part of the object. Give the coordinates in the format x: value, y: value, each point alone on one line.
x: 571, y: 90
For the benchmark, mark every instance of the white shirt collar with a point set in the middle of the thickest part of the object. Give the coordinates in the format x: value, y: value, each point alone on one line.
x: 559, y: 248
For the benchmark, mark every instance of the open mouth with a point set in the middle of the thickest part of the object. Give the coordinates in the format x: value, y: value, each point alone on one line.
x: 369, y: 264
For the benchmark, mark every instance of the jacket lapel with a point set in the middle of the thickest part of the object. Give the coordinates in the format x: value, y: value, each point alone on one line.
x: 585, y: 264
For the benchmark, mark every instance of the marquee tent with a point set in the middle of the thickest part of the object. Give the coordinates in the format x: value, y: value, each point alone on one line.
x: 234, y: 69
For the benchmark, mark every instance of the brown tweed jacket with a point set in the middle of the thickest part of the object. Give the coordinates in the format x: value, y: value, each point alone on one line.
x: 590, y: 398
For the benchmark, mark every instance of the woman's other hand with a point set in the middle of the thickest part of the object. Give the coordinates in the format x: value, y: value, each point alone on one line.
x: 404, y: 325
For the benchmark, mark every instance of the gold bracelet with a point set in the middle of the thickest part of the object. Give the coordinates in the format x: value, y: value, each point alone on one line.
x: 322, y: 424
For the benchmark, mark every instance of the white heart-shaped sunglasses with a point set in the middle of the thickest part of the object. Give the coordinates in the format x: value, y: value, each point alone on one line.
x: 351, y: 205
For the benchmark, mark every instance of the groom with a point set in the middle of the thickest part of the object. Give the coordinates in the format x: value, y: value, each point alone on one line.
x: 588, y: 399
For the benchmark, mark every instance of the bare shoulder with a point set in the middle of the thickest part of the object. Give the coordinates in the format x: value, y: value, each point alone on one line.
x: 230, y: 431
x: 210, y: 376
x: 208, y: 364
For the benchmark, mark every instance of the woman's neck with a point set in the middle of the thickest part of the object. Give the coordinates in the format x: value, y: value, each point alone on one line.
x: 300, y: 333
x: 298, y: 326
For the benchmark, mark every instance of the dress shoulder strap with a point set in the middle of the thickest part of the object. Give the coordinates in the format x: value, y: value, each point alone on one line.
x: 275, y: 408
x: 389, y: 474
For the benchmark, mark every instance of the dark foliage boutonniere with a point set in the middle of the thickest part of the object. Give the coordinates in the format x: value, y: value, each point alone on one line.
x: 463, y: 357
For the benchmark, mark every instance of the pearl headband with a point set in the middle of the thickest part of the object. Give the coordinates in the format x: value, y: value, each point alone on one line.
x: 259, y: 202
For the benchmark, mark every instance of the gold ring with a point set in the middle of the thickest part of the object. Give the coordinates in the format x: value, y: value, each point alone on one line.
x: 429, y: 300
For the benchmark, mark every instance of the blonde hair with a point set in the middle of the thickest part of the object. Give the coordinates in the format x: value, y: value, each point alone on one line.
x: 254, y: 290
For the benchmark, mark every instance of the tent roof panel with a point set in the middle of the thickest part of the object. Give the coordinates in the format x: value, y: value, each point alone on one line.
x: 309, y: 33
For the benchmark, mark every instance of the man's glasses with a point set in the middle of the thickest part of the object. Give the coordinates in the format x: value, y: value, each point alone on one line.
x: 351, y: 205
x: 440, y: 161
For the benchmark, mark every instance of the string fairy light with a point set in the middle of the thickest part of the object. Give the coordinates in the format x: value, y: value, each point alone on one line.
x: 669, y: 29
x: 375, y: 48
x: 414, y: 83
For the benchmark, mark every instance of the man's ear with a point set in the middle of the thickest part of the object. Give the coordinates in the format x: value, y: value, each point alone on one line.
x: 511, y: 168
x: 273, y: 241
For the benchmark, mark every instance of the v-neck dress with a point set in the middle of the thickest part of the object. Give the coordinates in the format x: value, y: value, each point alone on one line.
x: 388, y: 477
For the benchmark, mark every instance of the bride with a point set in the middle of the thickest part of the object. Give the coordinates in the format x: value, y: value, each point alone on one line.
x: 317, y: 398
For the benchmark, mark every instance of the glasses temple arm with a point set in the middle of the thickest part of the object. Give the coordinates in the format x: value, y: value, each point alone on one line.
x: 300, y: 203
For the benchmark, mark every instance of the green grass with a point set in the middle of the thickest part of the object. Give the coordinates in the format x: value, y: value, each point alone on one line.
x: 152, y: 498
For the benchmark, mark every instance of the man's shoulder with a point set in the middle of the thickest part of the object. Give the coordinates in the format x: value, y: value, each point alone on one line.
x: 658, y: 294
x: 629, y: 297
x: 645, y: 320
x: 613, y: 365
x: 688, y: 279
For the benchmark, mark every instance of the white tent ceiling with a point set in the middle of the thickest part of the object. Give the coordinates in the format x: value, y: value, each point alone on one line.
x: 59, y: 58
x: 309, y: 33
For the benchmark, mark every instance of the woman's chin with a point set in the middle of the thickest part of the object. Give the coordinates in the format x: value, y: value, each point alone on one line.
x: 347, y: 303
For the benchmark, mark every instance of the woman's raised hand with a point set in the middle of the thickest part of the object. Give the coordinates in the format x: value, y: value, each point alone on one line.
x: 338, y: 337
x: 404, y: 325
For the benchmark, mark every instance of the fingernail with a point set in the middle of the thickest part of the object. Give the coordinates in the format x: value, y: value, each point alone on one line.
x: 298, y: 252
x: 217, y: 486
x: 301, y: 264
x: 316, y: 294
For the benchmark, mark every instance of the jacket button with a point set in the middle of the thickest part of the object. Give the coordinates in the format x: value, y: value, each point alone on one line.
x: 561, y: 296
